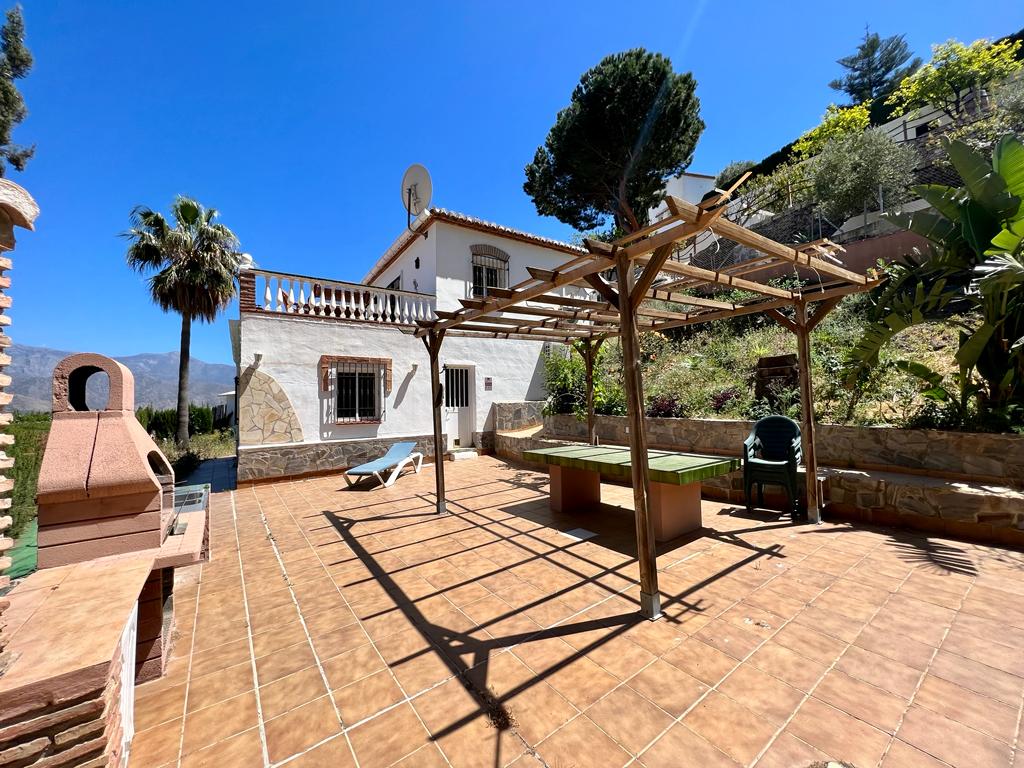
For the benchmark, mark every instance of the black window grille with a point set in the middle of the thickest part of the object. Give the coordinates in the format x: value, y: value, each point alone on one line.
x: 395, y: 285
x: 358, y: 392
x: 489, y: 272
x: 456, y: 387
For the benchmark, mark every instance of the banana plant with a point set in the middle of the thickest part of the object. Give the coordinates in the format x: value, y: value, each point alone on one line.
x: 970, y: 277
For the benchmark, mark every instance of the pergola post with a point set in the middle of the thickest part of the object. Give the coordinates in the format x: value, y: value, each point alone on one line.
x: 803, y: 348
x: 650, y: 600
x: 589, y: 349
x: 433, y: 341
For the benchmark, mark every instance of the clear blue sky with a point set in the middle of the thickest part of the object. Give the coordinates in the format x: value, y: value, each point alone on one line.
x: 297, y: 119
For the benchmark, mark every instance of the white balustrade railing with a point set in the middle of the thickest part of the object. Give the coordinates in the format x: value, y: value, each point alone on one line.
x: 297, y: 295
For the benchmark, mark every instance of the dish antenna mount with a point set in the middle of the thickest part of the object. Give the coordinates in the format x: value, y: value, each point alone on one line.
x: 416, y: 192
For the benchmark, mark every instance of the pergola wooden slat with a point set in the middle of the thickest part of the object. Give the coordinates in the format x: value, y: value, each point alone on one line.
x: 628, y: 307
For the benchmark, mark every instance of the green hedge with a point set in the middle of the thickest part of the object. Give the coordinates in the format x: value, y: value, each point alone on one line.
x: 30, y: 431
x: 164, y: 422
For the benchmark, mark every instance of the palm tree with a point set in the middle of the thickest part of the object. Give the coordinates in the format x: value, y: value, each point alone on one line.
x: 193, y: 266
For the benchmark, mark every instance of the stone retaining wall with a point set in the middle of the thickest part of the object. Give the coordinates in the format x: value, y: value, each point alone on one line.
x: 267, y: 461
x: 512, y: 416
x: 955, y: 484
x: 953, y: 455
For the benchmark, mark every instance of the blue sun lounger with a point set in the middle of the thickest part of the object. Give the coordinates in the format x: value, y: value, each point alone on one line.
x: 397, y: 457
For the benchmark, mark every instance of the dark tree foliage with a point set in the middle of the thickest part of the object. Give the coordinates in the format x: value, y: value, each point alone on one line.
x: 632, y: 124
x: 876, y: 68
x: 15, y: 62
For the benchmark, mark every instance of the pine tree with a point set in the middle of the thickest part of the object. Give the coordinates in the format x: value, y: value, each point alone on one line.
x: 632, y: 124
x: 15, y: 63
x: 876, y: 69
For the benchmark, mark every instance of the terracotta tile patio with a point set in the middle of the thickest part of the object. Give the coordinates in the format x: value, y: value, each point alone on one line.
x: 345, y: 628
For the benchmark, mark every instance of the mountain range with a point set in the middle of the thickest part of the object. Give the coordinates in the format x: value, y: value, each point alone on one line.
x: 156, y: 379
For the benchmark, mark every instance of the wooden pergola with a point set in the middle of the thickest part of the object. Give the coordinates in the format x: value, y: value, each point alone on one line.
x: 652, y: 291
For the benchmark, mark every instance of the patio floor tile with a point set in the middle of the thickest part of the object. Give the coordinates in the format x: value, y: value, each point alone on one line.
x: 679, y: 741
x: 388, y: 737
x: 864, y: 701
x: 301, y: 728
x: 241, y: 749
x: 846, y: 738
x: 367, y: 697
x: 431, y: 635
x: 629, y: 718
x: 291, y: 691
x: 730, y: 727
x: 951, y: 741
x: 979, y: 712
x: 205, y: 727
x: 668, y: 687
x: 581, y: 742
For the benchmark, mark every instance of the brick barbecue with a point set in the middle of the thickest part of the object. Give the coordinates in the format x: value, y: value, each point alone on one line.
x: 97, y: 618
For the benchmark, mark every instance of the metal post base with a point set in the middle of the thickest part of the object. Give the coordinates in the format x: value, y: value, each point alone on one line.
x: 650, y: 606
x: 442, y: 507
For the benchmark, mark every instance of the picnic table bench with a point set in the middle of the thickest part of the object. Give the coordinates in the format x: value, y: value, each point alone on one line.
x: 675, y: 478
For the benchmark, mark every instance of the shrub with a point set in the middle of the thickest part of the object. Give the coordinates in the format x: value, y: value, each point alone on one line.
x: 836, y: 123
x: 665, y: 407
x: 200, y: 419
x: 861, y: 173
x: 163, y: 423
x: 30, y: 431
x: 722, y: 398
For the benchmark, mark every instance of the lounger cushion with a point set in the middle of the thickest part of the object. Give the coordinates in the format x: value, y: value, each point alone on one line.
x: 395, y: 454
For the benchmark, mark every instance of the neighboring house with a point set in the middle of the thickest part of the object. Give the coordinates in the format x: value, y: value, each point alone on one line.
x: 330, y: 373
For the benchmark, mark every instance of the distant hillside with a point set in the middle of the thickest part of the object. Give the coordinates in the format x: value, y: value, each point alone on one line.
x: 156, y: 379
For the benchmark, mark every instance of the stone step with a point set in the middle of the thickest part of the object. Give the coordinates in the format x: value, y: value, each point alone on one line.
x: 461, y: 454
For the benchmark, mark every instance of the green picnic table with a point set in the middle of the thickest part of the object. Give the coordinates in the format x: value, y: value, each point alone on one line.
x: 675, y: 479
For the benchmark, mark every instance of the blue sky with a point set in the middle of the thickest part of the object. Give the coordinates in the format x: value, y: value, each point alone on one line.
x: 297, y: 119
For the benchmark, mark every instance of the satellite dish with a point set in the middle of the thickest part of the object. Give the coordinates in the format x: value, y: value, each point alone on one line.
x: 416, y: 189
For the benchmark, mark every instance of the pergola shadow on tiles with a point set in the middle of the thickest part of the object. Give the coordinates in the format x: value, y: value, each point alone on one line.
x: 650, y: 288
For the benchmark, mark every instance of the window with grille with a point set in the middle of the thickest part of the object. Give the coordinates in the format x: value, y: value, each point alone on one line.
x: 395, y: 285
x: 456, y: 387
x: 490, y: 269
x: 358, y: 391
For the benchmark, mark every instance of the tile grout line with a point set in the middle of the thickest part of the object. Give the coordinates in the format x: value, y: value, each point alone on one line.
x: 809, y: 694
x: 1016, y: 739
x: 920, y: 682
x: 530, y: 748
x: 406, y: 698
x: 248, y: 633
x: 745, y: 659
x: 188, y: 671
x: 295, y: 602
x: 659, y: 657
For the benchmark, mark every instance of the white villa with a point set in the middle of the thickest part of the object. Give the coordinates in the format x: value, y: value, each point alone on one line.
x: 330, y: 373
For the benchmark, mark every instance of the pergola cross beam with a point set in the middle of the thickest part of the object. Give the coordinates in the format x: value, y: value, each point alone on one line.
x: 625, y: 310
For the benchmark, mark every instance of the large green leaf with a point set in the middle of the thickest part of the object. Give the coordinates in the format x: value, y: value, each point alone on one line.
x: 979, y: 226
x: 927, y: 224
x: 921, y: 371
x: 1008, y: 162
x: 970, y: 351
x: 987, y: 187
x: 1009, y: 240
x: 946, y: 200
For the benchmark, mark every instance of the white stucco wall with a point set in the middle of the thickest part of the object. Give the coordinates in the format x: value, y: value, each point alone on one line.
x: 446, y: 264
x: 454, y: 262
x: 419, y: 280
x: 291, y: 349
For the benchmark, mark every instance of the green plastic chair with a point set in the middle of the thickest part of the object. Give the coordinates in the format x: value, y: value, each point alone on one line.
x: 771, y: 454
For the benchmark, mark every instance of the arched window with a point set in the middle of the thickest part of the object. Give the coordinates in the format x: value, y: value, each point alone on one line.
x: 490, y: 269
